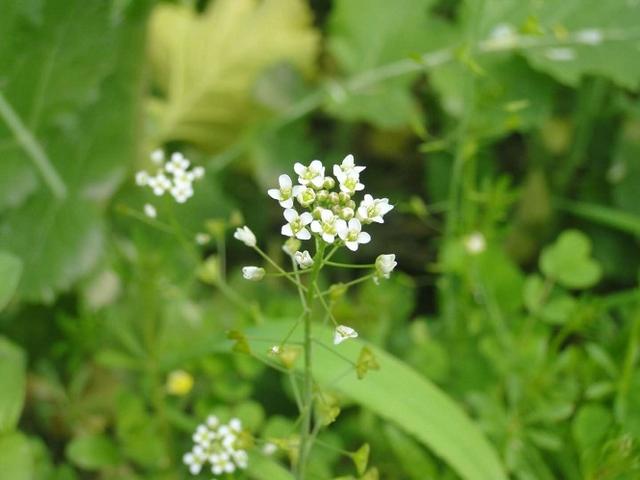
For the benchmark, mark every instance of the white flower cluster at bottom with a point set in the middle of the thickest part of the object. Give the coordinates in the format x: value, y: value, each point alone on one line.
x: 217, y: 443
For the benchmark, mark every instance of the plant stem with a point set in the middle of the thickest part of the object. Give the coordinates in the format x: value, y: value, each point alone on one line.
x: 30, y: 145
x: 306, y: 431
x: 349, y: 265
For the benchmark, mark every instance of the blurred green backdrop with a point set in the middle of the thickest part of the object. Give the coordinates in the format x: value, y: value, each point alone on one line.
x: 507, y: 134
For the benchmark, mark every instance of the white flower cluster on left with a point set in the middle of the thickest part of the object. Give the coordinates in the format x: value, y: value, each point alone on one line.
x: 216, y: 444
x: 173, y: 176
x: 325, y: 207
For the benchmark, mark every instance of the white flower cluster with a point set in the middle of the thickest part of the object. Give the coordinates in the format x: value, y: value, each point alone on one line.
x: 216, y: 444
x: 331, y: 215
x: 173, y: 176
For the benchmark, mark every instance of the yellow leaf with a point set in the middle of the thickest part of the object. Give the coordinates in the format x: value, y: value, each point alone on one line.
x: 205, y: 65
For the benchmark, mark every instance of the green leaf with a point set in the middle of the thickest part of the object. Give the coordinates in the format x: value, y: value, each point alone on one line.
x: 10, y: 271
x: 74, y: 96
x: 263, y: 468
x: 400, y: 395
x: 93, y: 452
x: 414, y: 460
x: 12, y: 384
x: 205, y: 65
x: 16, y: 462
x: 398, y: 33
x: 509, y: 95
x: 569, y: 263
x: 576, y: 37
x: 591, y: 424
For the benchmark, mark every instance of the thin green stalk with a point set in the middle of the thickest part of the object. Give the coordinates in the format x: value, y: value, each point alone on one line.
x: 631, y: 356
x: 307, y: 414
x: 350, y: 265
x: 352, y: 283
x: 33, y: 149
x: 279, y: 268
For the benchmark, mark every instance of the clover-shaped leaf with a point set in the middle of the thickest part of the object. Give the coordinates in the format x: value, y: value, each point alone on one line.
x: 568, y: 261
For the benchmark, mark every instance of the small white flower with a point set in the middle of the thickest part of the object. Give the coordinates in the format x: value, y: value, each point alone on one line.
x: 202, y: 238
x: 194, y: 462
x: 202, y: 436
x: 213, y: 421
x: 296, y: 226
x: 177, y: 164
x: 326, y: 226
x: 275, y: 350
x: 342, y: 333
x: 351, y: 183
x: 285, y: 193
x: 269, y: 448
x: 246, y: 236
x: 142, y: 178
x: 373, y: 209
x: 351, y: 233
x: 346, y: 168
x: 384, y: 266
x: 303, y: 259
x: 181, y: 192
x: 560, y: 54
x: 305, y: 196
x: 313, y: 174
x: 252, y: 273
x: 591, y: 36
x: 475, y: 243
x: 241, y: 458
x: 198, y: 172
x: 157, y: 156
x: 235, y: 424
x: 150, y: 210
x: 291, y: 246
x: 159, y: 184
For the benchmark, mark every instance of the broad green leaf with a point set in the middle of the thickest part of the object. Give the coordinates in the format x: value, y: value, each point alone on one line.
x: 367, y: 34
x: 568, y: 261
x: 412, y: 457
x: 57, y: 240
x: 10, y: 271
x: 205, y: 65
x: 624, y: 172
x: 12, y: 384
x: 510, y: 96
x: 93, y: 452
x: 575, y: 37
x: 264, y: 468
x: 400, y: 395
x: 16, y: 462
x: 591, y: 424
x: 74, y: 96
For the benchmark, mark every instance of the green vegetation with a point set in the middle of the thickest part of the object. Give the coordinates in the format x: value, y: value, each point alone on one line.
x: 506, y: 342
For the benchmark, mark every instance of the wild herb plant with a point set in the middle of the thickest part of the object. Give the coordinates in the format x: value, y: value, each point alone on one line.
x: 331, y: 218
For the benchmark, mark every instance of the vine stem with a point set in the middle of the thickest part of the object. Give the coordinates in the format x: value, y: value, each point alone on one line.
x: 306, y: 431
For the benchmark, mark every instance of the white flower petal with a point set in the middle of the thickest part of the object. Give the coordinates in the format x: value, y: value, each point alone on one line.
x: 364, y: 237
x: 290, y: 215
x: 286, y: 230
x: 299, y: 168
x: 284, y: 181
x: 303, y: 234
x: 306, y: 218
x: 341, y: 228
x: 274, y: 193
x: 288, y: 203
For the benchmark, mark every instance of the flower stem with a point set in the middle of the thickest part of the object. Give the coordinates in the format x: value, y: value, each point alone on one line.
x: 306, y: 429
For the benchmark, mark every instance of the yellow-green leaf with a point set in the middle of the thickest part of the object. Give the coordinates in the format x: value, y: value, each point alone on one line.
x: 205, y: 65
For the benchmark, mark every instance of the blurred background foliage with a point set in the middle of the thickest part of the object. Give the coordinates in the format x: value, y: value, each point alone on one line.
x: 514, y: 123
